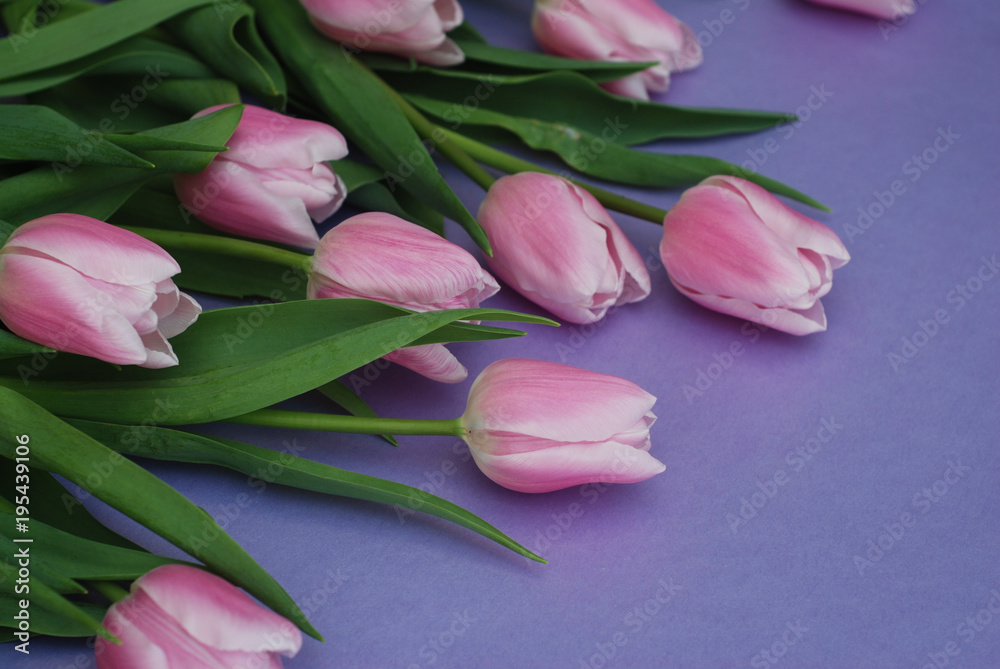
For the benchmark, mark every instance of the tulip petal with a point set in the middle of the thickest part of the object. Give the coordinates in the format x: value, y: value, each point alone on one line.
x: 52, y: 304
x: 431, y: 360
x: 792, y: 321
x: 450, y: 13
x: 184, y: 314
x: 568, y: 465
x: 546, y: 246
x: 218, y: 614
x: 268, y: 139
x: 416, y: 268
x: 229, y: 197
x: 791, y: 226
x: 883, y: 9
x: 713, y: 244
x: 97, y: 249
x: 552, y: 401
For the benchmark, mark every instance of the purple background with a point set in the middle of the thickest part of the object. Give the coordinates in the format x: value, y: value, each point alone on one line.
x: 661, y: 573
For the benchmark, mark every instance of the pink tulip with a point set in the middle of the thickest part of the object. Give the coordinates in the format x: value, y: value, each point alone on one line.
x: 83, y: 286
x: 273, y: 179
x: 731, y: 246
x: 537, y: 426
x: 618, y: 30
x: 556, y: 245
x: 403, y: 27
x: 378, y: 256
x: 180, y: 617
x: 883, y: 9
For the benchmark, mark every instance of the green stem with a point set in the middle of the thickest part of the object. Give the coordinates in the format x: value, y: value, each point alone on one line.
x: 511, y: 164
x: 229, y: 246
x: 355, y: 424
x: 450, y: 150
x: 112, y: 591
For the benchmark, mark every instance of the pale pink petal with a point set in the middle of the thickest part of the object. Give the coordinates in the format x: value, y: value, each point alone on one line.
x: 382, y: 257
x: 52, y: 304
x: 567, y: 465
x: 229, y: 197
x: 450, y: 13
x: 791, y: 226
x: 370, y: 16
x: 95, y: 248
x: 714, y: 244
x: 266, y: 139
x: 216, y: 613
x: 431, y: 360
x: 553, y: 401
x: 883, y: 9
x: 796, y: 322
x: 184, y: 314
x: 632, y: 86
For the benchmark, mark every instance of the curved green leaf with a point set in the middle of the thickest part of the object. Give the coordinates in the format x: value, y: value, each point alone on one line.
x: 65, y: 41
x: 62, y: 449
x: 32, y: 132
x: 165, y: 444
x: 240, y: 359
x: 135, y: 56
x: 225, y: 36
x: 571, y: 99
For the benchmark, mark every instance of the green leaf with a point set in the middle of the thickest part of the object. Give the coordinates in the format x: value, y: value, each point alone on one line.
x: 571, y: 99
x: 64, y: 450
x: 366, y: 190
x: 225, y: 36
x: 164, y: 444
x: 84, y: 34
x: 139, y: 56
x: 357, y: 103
x: 346, y: 399
x: 46, y: 622
x: 32, y: 132
x: 498, y: 59
x: 82, y: 559
x: 240, y: 359
x: 53, y: 505
x: 12, y: 346
x: 48, y: 604
x: 594, y: 156
x: 99, y: 191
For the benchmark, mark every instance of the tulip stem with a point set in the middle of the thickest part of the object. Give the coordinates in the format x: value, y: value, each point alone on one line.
x: 303, y: 420
x: 112, y: 591
x: 229, y: 246
x: 452, y: 151
x: 511, y: 164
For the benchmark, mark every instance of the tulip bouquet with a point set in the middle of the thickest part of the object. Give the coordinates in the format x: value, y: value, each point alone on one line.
x: 234, y: 129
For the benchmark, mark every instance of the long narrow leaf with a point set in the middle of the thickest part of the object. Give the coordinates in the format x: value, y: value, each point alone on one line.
x: 166, y: 444
x: 61, y: 449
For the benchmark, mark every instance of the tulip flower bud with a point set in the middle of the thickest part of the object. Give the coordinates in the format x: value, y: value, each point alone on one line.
x: 556, y: 245
x: 537, y: 426
x: 180, y: 616
x: 83, y: 286
x: 731, y: 246
x: 883, y: 9
x: 378, y: 256
x: 408, y: 28
x: 273, y: 179
x: 618, y: 30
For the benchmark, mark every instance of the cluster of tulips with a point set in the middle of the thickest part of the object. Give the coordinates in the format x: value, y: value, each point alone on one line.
x: 532, y: 426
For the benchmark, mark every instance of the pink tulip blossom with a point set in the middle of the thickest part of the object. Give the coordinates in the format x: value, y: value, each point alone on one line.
x: 378, y: 256
x: 273, y: 179
x: 883, y: 9
x: 83, y: 286
x: 618, y: 30
x: 556, y: 245
x: 403, y: 27
x: 537, y: 426
x: 731, y: 246
x: 180, y: 617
